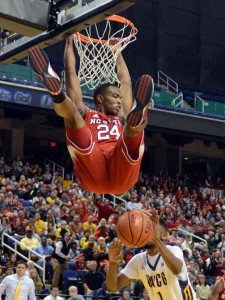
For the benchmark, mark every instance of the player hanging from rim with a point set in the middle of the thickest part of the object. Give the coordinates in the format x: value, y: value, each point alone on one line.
x: 161, y: 268
x: 106, y: 152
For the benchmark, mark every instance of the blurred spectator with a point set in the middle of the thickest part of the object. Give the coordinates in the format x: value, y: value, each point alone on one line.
x: 54, y: 294
x: 105, y: 210
x: 220, y: 268
x: 90, y: 225
x: 112, y: 231
x: 133, y: 202
x: 92, y: 280
x: 3, y: 257
x: 29, y: 241
x: 211, y: 241
x: 59, y: 258
x: 73, y: 292
x: 62, y: 229
x: 145, y: 295
x: 202, y: 289
x: 40, y: 227
x: 11, y: 262
x: 88, y: 251
x: 102, y: 231
x: 37, y: 280
x: 126, y: 294
x: 221, y: 244
x: 5, y: 227
x: 210, y: 266
x: 84, y: 239
x: 73, y: 252
x: 45, y: 250
x: 174, y: 239
x: 75, y: 225
x: 184, y: 227
x: 67, y: 182
x: 103, y: 269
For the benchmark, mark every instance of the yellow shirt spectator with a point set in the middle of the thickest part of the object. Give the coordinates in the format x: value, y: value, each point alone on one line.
x: 62, y: 229
x: 67, y: 182
x: 91, y: 240
x: 29, y: 241
x: 90, y: 225
x: 39, y: 225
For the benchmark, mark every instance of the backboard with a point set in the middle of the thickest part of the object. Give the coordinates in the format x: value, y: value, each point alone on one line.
x: 64, y: 20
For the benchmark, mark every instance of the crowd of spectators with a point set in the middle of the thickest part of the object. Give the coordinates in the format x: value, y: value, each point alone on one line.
x: 49, y: 214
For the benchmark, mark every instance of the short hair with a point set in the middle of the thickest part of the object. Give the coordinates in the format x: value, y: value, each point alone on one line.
x: 73, y: 287
x: 53, y: 286
x: 212, y: 251
x: 21, y: 262
x: 101, y: 90
x: 126, y: 290
x: 162, y: 222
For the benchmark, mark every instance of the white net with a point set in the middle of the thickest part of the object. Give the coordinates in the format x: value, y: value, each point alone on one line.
x: 99, y: 48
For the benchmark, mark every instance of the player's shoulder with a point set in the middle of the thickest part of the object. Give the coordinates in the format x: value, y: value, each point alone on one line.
x: 139, y: 256
x: 173, y: 248
x: 92, y: 112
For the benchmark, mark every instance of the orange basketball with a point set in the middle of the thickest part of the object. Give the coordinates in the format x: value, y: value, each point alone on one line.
x: 134, y: 229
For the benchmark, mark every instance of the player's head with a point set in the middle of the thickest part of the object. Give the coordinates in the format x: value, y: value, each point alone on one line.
x: 163, y: 230
x: 108, y: 99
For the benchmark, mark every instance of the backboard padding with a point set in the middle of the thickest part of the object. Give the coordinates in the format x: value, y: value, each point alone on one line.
x: 89, y: 14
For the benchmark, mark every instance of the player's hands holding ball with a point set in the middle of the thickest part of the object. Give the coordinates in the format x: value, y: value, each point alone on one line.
x: 155, y: 236
x: 115, y: 251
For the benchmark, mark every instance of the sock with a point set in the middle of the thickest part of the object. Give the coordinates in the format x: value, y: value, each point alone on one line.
x: 81, y: 137
x: 58, y: 98
x: 133, y: 144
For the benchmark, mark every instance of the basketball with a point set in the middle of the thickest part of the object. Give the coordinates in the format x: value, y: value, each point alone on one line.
x: 134, y: 229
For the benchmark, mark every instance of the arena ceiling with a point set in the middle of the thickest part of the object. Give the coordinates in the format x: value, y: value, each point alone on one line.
x: 184, y: 39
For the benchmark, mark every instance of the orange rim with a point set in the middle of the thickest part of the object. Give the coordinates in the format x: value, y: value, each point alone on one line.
x: 115, y: 18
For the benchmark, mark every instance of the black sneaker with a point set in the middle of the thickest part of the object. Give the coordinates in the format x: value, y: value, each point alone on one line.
x: 40, y: 64
x: 143, y: 92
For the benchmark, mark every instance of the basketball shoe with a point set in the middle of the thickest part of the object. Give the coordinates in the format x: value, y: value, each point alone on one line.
x: 40, y: 64
x: 143, y: 92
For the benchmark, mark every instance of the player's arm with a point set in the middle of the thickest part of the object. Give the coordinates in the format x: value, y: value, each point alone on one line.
x: 73, y: 88
x: 173, y: 262
x: 114, y: 281
x: 126, y: 85
x: 217, y: 288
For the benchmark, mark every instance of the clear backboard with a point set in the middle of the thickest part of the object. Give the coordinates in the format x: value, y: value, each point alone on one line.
x: 65, y: 18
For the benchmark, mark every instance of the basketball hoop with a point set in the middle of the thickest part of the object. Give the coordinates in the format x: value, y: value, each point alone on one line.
x: 99, y: 48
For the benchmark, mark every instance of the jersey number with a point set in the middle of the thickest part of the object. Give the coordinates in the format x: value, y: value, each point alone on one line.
x: 160, y: 296
x: 104, y: 132
x: 188, y: 293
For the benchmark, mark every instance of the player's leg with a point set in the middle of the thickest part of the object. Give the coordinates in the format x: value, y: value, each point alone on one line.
x: 137, y: 118
x: 84, y: 152
x: 89, y: 166
x: 63, y: 105
x: 142, y: 95
x: 124, y: 169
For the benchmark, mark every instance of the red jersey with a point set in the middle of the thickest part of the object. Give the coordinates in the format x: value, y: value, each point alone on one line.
x: 106, y: 165
x: 222, y: 295
x: 105, y: 130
